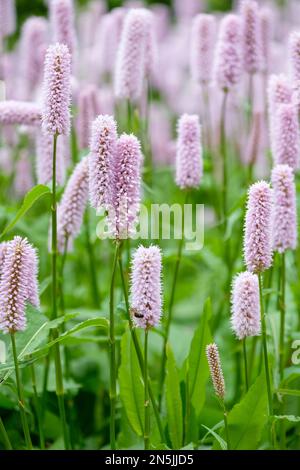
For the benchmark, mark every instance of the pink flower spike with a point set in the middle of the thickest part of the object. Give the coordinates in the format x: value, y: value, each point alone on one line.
x: 284, y: 228
x: 7, y: 17
x: 103, y: 146
x: 130, y: 62
x: 146, y: 291
x: 228, y: 54
x: 62, y: 23
x: 294, y: 61
x: 57, y: 90
x: 266, y: 30
x: 72, y: 206
x: 18, y: 284
x: 126, y: 172
x: 202, y: 44
x: 34, y: 31
x: 3, y: 250
x: 23, y: 181
x: 189, y: 164
x: 215, y: 367
x: 245, y: 319
x: 20, y: 112
x: 251, y: 36
x: 258, y: 226
x: 88, y: 109
x: 286, y: 144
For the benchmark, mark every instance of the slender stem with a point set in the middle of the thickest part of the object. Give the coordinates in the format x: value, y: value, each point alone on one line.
x: 171, y: 304
x: 224, y: 156
x: 92, y: 263
x: 146, y: 402
x: 252, y: 355
x: 57, y: 358
x: 282, y: 317
x: 226, y: 428
x: 4, y: 435
x: 129, y: 116
x: 245, y: 364
x: 61, y: 276
x: 37, y: 407
x: 54, y: 232
x: 45, y: 382
x: 269, y: 284
x: 139, y: 352
x: 113, y: 373
x: 281, y: 344
x: 265, y: 347
x: 74, y: 146
x: 21, y: 402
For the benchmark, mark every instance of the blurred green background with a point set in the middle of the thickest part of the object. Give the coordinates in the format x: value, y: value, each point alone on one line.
x: 27, y: 8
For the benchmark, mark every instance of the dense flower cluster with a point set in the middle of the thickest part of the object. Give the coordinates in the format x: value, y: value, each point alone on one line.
x: 258, y: 227
x: 245, y: 319
x: 18, y: 284
x: 146, y: 297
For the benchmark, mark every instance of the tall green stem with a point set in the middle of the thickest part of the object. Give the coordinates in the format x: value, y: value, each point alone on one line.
x: 20, y: 394
x: 282, y: 317
x: 172, y: 298
x: 265, y: 347
x: 92, y: 264
x: 139, y: 352
x: 146, y: 401
x: 57, y: 358
x: 112, y: 343
x: 226, y: 428
x: 37, y: 407
x: 245, y: 364
x: 224, y: 156
x: 281, y: 343
x: 4, y: 435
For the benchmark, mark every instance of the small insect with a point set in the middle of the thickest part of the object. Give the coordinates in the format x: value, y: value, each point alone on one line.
x: 134, y: 312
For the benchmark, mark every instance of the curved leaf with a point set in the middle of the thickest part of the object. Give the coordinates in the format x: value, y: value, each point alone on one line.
x: 174, y: 404
x: 31, y: 197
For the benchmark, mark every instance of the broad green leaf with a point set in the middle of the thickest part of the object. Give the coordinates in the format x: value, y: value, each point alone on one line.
x: 64, y: 337
x: 198, y: 371
x: 221, y: 441
x: 174, y: 404
x: 247, y: 419
x: 131, y: 385
x: 29, y: 340
x: 31, y: 197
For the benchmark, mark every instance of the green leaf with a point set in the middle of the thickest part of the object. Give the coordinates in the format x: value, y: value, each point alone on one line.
x: 27, y: 341
x: 221, y: 441
x: 198, y: 371
x: 31, y: 197
x: 247, y: 419
x: 232, y: 219
x: 173, y: 399
x: 131, y: 385
x: 64, y: 337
